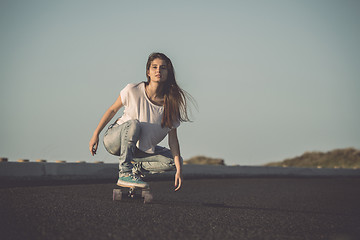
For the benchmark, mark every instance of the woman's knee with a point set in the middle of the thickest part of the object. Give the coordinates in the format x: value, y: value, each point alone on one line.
x: 134, y: 130
x: 112, y: 145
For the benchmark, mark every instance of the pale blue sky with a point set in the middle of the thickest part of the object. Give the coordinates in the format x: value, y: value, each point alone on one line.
x: 272, y: 79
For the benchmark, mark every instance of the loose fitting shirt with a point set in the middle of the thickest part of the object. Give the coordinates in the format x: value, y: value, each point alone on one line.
x: 138, y: 106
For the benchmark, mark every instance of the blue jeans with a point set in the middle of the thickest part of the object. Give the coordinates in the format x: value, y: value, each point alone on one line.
x: 120, y: 140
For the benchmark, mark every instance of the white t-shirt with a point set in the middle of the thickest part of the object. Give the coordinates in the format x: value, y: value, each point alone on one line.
x: 138, y: 106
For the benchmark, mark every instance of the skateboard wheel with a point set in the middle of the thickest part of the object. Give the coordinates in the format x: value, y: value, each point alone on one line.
x: 117, y: 194
x: 144, y: 192
x: 148, y: 197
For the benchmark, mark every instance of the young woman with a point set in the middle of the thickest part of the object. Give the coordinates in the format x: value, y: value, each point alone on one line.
x: 153, y: 109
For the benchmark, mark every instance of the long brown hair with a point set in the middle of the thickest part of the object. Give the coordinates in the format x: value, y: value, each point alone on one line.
x: 175, y: 99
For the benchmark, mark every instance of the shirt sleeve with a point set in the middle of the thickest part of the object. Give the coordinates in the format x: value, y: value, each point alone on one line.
x: 124, y: 94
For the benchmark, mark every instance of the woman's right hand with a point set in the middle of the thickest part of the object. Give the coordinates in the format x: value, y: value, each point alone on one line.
x: 108, y: 115
x: 93, y: 144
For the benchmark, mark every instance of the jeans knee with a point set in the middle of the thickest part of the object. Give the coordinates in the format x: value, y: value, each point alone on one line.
x: 134, y: 130
x: 113, y: 147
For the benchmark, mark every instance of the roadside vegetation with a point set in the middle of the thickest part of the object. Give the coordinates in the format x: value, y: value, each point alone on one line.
x: 202, y: 160
x: 338, y: 158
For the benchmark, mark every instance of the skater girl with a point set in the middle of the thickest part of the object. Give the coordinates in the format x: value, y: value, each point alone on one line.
x: 153, y: 109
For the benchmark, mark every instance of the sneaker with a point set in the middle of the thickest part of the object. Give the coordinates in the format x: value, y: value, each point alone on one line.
x: 130, y: 180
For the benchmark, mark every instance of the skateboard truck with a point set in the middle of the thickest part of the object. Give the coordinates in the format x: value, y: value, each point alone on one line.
x: 131, y: 193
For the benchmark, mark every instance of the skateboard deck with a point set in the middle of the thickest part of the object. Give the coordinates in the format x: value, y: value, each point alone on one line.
x: 123, y: 193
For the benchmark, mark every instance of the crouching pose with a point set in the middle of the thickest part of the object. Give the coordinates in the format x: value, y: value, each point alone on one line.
x: 153, y: 109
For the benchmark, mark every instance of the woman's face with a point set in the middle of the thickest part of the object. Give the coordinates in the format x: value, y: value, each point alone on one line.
x: 158, y: 71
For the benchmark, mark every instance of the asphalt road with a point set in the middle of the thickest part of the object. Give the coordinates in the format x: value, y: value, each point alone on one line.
x: 242, y: 208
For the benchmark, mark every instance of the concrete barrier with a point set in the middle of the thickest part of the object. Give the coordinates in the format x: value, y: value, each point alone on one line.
x: 45, y: 170
x: 71, y: 171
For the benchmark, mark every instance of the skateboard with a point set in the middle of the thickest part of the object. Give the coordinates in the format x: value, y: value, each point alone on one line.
x: 123, y: 193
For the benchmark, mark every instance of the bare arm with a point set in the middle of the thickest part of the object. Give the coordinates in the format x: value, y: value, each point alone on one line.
x: 108, y: 115
x: 175, y: 150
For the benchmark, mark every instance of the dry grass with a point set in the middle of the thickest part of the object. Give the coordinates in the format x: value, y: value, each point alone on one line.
x: 202, y: 160
x: 338, y: 158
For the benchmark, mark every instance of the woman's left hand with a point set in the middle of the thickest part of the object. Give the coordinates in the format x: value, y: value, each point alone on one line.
x: 178, y: 180
x: 175, y: 150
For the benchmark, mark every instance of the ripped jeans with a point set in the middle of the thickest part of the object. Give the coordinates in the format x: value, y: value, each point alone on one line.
x: 120, y: 140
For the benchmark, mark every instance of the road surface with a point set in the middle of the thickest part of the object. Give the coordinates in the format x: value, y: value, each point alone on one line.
x: 240, y: 208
